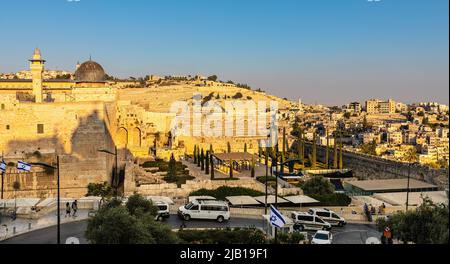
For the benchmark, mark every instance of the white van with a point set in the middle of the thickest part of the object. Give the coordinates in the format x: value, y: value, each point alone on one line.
x: 163, y: 211
x: 205, y: 209
x: 329, y: 216
x: 306, y: 221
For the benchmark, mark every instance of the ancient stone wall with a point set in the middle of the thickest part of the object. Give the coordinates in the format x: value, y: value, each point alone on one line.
x: 74, y: 131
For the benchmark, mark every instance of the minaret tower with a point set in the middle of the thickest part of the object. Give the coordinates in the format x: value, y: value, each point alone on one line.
x: 37, y: 69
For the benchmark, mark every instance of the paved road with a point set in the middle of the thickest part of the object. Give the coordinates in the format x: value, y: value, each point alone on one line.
x: 350, y: 234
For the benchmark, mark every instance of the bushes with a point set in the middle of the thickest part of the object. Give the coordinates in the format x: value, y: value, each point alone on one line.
x: 225, y: 191
x: 334, y: 199
x: 223, y: 236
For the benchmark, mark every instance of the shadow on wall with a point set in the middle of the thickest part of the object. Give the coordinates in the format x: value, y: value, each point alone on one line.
x: 84, y: 164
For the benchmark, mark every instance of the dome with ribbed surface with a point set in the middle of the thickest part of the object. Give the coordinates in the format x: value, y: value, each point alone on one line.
x: 90, y: 71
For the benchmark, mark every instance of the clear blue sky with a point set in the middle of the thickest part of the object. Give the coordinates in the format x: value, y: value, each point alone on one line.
x: 325, y: 51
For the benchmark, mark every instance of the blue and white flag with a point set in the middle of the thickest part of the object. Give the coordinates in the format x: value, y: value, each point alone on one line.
x: 276, y: 218
x: 2, y: 166
x: 23, y: 166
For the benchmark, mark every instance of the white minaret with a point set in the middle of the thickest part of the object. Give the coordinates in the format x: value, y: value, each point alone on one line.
x: 300, y: 104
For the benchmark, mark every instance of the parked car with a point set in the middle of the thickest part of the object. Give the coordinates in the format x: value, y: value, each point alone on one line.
x: 205, y: 209
x: 306, y: 221
x: 329, y: 216
x: 322, y: 238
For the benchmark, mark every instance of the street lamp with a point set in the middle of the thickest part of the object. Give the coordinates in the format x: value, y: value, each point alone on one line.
x: 58, y: 199
x: 116, y: 172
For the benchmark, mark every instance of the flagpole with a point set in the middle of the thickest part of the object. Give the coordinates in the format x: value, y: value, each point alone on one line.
x: 3, y: 177
x: 58, y: 203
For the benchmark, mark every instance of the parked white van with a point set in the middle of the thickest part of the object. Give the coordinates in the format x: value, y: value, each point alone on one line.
x: 306, y: 221
x: 329, y: 216
x: 163, y: 211
x: 205, y: 209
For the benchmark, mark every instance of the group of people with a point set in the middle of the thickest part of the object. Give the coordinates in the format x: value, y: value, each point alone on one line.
x: 370, y: 210
x: 71, y: 210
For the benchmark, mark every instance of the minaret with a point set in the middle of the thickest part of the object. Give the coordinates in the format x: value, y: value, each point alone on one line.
x: 37, y: 68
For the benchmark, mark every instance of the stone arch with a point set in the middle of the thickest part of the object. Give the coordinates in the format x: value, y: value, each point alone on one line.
x: 122, y: 138
x: 135, y: 139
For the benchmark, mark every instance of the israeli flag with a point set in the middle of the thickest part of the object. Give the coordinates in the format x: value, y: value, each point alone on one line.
x: 2, y: 166
x: 276, y: 218
x: 23, y: 166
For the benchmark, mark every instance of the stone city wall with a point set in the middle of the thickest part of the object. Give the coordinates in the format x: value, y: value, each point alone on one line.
x: 367, y: 167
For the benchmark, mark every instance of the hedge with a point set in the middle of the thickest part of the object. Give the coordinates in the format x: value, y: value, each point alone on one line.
x: 335, y: 199
x: 225, y: 191
x: 227, y: 236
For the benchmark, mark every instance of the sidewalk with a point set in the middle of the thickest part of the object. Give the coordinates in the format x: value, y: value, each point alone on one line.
x: 9, y: 228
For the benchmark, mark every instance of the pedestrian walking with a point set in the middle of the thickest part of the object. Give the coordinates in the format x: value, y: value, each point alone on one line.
x: 75, y: 208
x: 68, y: 210
x: 387, y: 234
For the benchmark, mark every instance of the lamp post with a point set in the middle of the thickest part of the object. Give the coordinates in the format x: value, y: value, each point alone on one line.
x: 58, y: 199
x: 116, y: 172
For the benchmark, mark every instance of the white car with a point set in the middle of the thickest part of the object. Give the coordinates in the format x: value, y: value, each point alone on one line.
x: 163, y: 211
x: 205, y: 209
x: 322, y: 238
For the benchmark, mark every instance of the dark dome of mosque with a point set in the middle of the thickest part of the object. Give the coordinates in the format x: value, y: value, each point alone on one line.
x: 90, y: 71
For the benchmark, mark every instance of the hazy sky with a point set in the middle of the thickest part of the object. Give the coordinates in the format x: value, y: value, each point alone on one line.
x: 329, y: 52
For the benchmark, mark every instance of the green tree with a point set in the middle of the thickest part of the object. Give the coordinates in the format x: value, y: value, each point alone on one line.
x: 245, y: 147
x: 202, y: 160
x: 172, y: 169
x: 207, y: 163
x: 102, y: 190
x: 314, y: 152
x: 229, y: 147
x: 195, y: 154
x: 327, y: 151
x: 335, y: 153
x: 212, y: 166
x: 369, y: 149
x: 116, y: 226
x: 213, y: 78
x: 137, y: 205
x: 253, y: 167
x: 317, y: 186
x: 231, y: 169
x: 428, y: 224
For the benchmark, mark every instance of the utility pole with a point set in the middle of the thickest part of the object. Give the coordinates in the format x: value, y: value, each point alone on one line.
x: 3, y: 178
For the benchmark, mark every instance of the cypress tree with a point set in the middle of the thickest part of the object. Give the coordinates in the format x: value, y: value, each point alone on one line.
x: 195, y: 154
x: 231, y: 169
x: 211, y: 161
x: 314, y: 153
x: 207, y: 163
x: 245, y: 147
x: 229, y: 147
x: 283, y: 153
x: 341, y: 161
x: 253, y: 167
x: 198, y: 158
x: 327, y: 153
x: 202, y: 160
x: 335, y: 157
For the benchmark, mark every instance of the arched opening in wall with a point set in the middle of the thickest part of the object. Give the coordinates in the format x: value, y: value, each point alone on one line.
x: 135, y: 137
x: 122, y: 138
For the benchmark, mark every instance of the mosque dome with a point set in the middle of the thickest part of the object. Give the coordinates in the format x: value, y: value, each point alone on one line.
x: 90, y: 71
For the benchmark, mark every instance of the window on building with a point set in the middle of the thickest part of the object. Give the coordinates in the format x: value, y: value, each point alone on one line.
x: 7, y: 127
x: 40, y: 129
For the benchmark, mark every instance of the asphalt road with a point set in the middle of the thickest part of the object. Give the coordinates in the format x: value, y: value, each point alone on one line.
x: 350, y: 234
